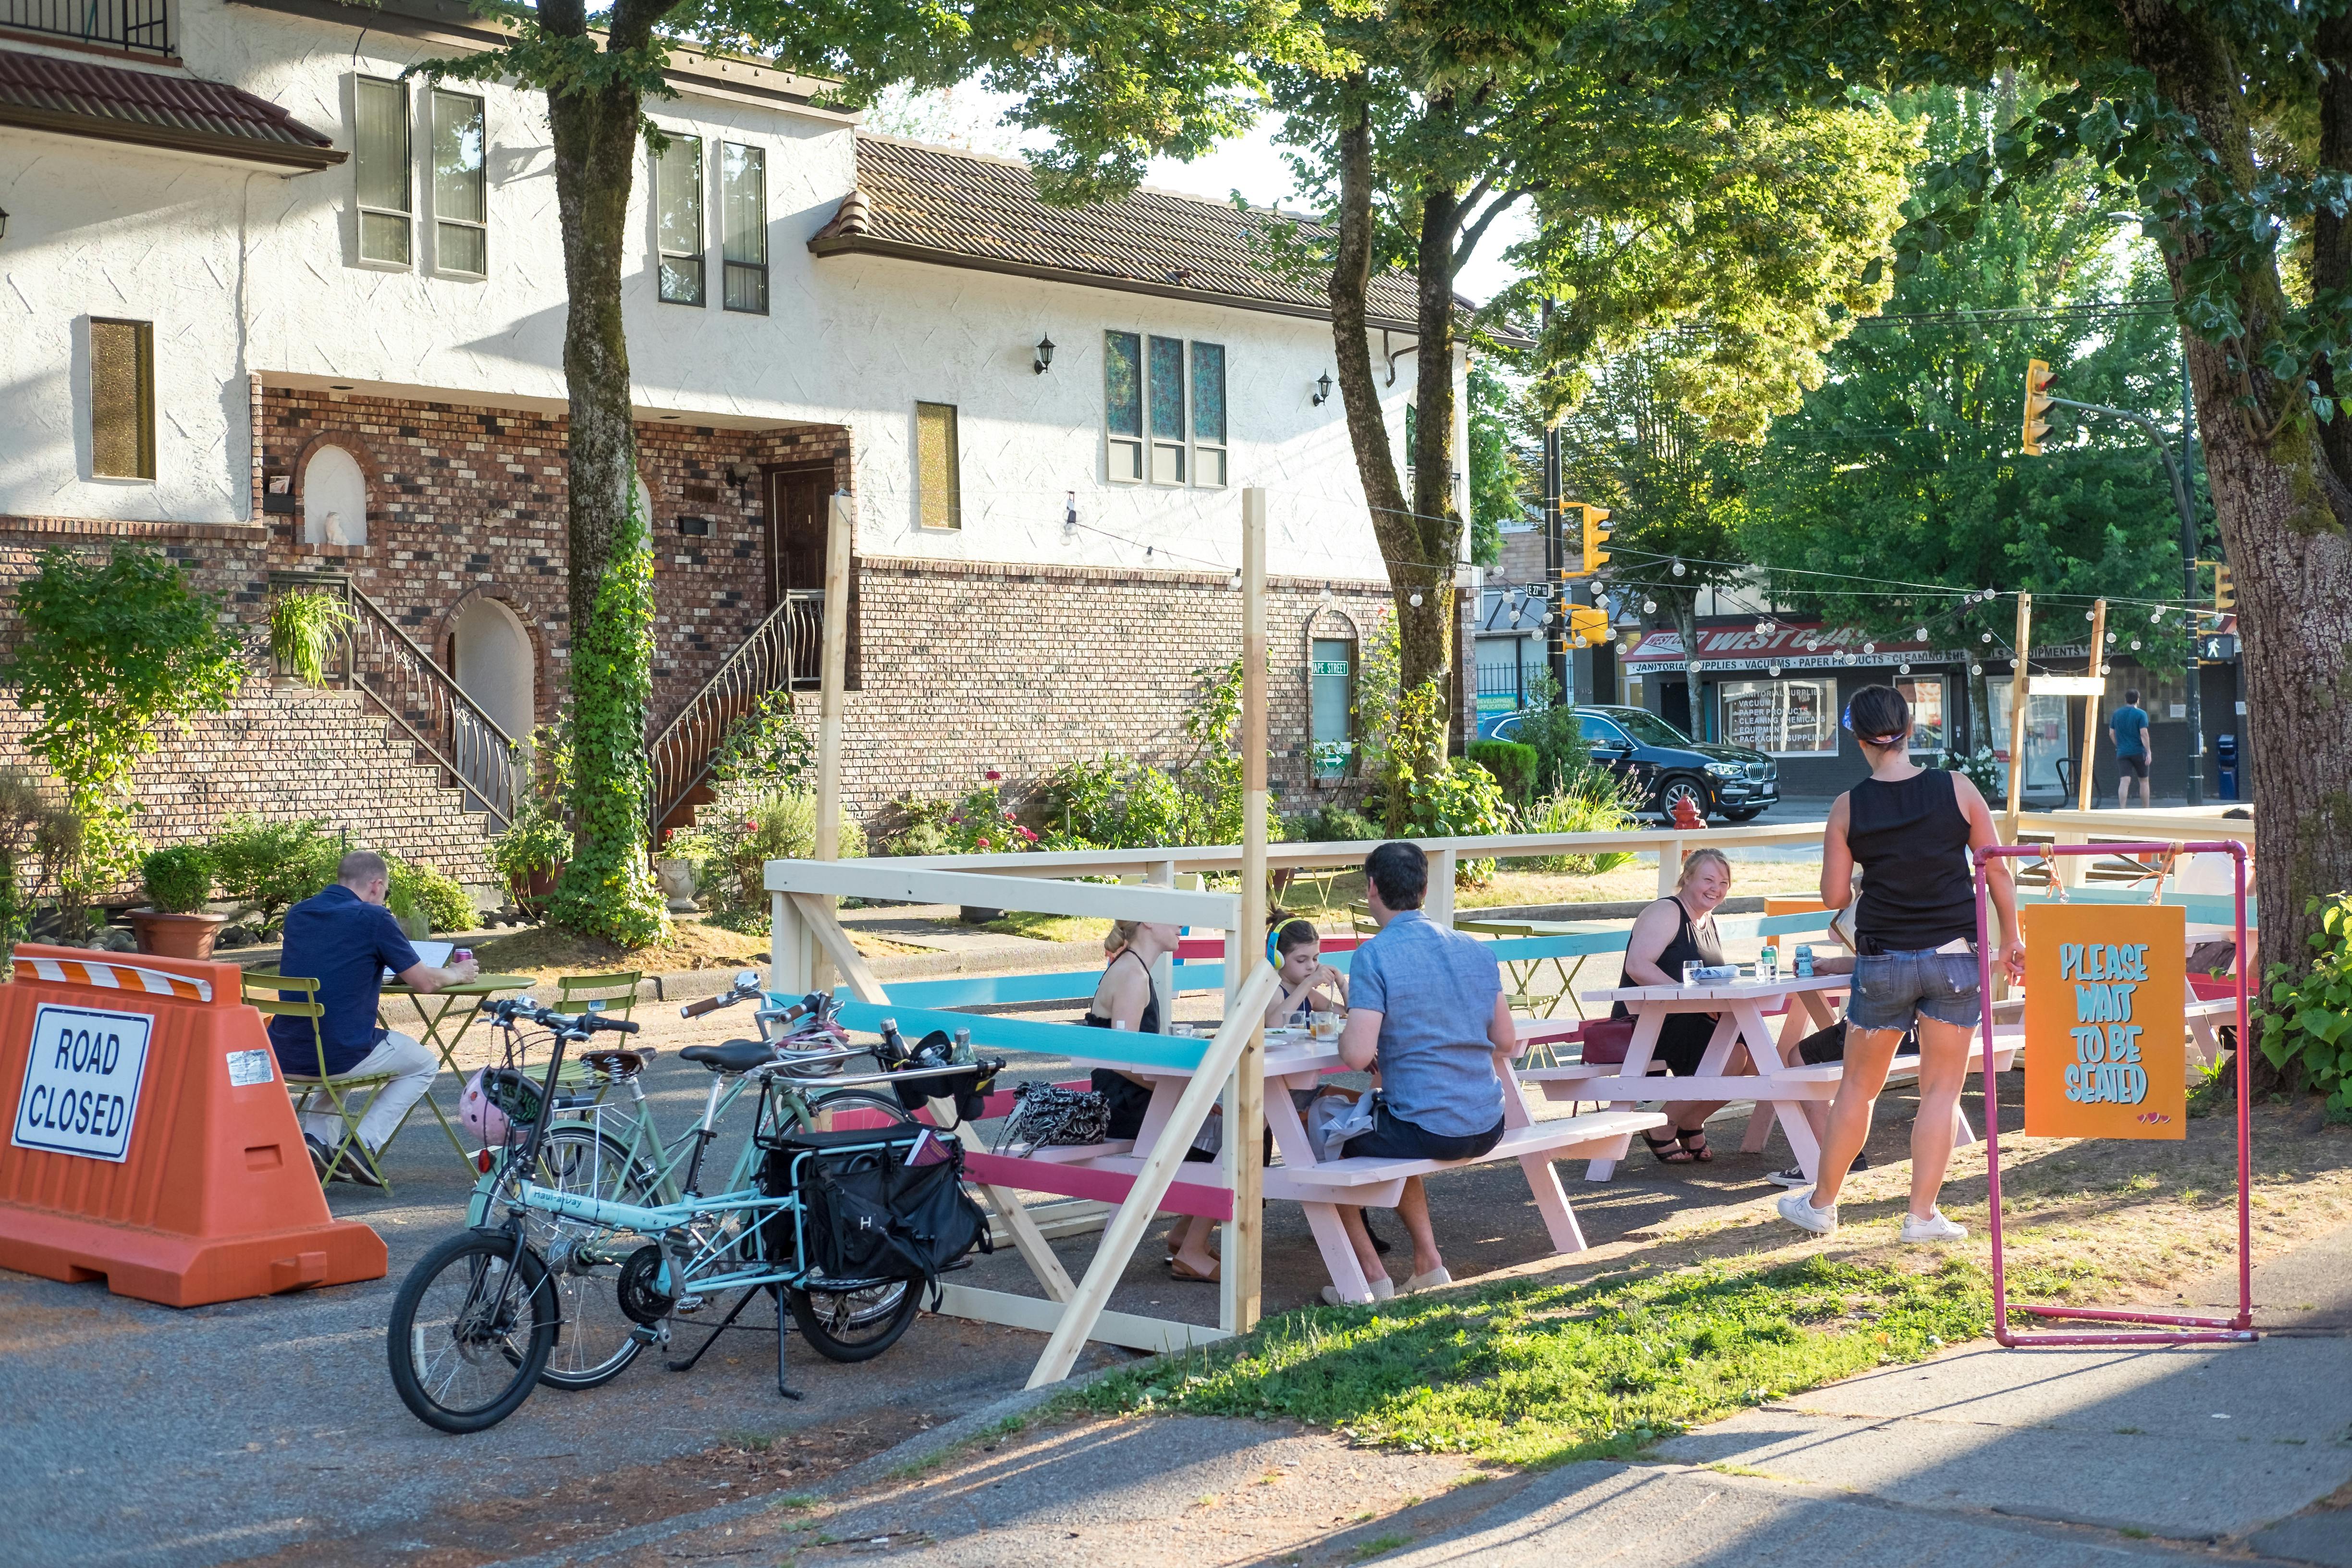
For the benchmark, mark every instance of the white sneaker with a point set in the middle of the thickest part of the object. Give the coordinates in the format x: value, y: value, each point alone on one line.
x: 1429, y: 1282
x: 1383, y: 1288
x: 1935, y: 1227
x: 1799, y: 1212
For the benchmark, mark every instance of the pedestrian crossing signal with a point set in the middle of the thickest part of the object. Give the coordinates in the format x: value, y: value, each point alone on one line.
x: 2038, y: 378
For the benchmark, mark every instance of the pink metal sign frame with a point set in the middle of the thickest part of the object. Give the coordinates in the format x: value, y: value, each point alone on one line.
x: 2182, y: 1328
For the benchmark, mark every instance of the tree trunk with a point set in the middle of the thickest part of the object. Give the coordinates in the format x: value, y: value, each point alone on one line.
x: 2281, y: 508
x: 607, y: 889
x: 595, y: 143
x: 1425, y: 600
x: 1437, y: 519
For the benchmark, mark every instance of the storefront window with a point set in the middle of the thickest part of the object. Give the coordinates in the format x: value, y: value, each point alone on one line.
x: 1926, y: 695
x: 1785, y: 718
x: 2045, y: 735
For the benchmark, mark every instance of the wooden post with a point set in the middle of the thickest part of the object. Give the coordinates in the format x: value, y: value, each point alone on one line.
x: 1164, y: 973
x: 1438, y: 903
x: 832, y: 680
x: 1245, y: 1104
x: 2091, y: 704
x: 2018, y: 696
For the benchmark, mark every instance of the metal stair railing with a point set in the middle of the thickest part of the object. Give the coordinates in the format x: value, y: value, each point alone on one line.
x: 388, y: 668
x: 782, y: 651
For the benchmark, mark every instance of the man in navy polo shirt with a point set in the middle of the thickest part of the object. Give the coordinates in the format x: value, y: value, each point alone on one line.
x: 1425, y: 1005
x: 345, y: 939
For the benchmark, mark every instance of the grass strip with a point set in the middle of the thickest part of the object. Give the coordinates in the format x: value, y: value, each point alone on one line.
x: 1525, y: 1373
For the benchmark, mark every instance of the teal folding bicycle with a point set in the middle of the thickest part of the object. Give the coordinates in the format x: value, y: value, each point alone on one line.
x: 475, y: 1320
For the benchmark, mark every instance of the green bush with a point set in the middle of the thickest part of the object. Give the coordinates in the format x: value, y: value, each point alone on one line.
x: 537, y: 842
x: 269, y: 867
x: 421, y: 890
x: 1117, y: 803
x: 1512, y: 765
x: 735, y: 838
x: 1597, y: 803
x: 1563, y: 757
x: 979, y: 824
x: 2309, y: 1021
x: 1331, y: 824
x: 179, y: 879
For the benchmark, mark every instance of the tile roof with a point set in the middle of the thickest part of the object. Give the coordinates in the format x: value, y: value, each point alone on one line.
x: 154, y: 108
x: 935, y: 203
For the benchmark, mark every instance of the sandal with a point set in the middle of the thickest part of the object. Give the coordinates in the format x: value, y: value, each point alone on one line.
x: 1183, y: 1270
x: 1694, y: 1144
x: 1669, y: 1150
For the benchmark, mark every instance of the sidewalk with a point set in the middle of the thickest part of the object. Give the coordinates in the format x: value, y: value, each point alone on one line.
x: 2057, y: 1458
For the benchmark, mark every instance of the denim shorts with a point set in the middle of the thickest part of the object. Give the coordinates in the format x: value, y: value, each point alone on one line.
x: 1889, y: 988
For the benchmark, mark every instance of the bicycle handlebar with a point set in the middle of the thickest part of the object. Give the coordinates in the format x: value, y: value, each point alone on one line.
x: 707, y: 1004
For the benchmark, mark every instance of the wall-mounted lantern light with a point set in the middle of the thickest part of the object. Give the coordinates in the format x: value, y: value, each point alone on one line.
x: 1044, y: 361
x: 1323, y: 389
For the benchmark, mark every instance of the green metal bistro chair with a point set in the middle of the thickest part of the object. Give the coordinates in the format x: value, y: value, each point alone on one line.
x: 337, y: 1090
x: 617, y: 991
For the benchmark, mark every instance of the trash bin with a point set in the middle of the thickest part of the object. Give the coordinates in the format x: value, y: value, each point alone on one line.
x: 2225, y: 751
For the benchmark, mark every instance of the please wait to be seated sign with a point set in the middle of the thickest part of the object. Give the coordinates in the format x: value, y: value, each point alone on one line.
x: 81, y: 1082
x: 2104, y: 1002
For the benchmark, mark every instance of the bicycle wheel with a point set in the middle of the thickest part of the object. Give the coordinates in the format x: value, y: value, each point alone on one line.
x: 823, y: 1107
x: 854, y: 1325
x: 583, y: 1262
x: 471, y: 1326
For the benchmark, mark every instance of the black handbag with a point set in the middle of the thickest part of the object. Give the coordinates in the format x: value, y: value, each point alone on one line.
x: 867, y: 1214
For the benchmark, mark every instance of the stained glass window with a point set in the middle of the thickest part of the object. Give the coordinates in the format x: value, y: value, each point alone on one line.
x: 1123, y: 407
x: 123, y: 400
x: 938, y: 482
x: 1167, y: 389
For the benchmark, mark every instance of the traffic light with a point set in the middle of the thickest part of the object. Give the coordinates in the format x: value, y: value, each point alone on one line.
x: 1596, y: 534
x: 2038, y: 378
x: 2225, y: 593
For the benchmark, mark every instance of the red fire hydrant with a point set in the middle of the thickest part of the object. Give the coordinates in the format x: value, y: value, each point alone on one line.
x: 1686, y: 813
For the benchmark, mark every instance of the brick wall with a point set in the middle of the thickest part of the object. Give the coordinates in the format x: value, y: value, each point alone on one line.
x: 1022, y: 668
x: 465, y: 500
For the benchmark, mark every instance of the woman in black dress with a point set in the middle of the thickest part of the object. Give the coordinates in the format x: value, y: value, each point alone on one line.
x: 1668, y: 934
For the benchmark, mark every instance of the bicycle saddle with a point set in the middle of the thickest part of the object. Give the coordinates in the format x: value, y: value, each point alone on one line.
x: 619, y: 1064
x: 734, y: 1055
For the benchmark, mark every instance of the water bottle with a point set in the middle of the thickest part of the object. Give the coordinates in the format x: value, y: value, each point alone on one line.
x: 961, y: 1054
x: 894, y: 1050
x: 1768, y: 965
x: 1805, y: 961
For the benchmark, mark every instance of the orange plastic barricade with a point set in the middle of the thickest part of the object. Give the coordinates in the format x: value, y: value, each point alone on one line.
x: 152, y: 1141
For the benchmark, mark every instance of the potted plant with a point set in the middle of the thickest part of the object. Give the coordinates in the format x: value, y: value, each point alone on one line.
x: 305, y: 628
x: 175, y: 924
x: 529, y: 855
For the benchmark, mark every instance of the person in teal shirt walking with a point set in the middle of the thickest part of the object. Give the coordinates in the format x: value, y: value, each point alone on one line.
x: 2133, y: 756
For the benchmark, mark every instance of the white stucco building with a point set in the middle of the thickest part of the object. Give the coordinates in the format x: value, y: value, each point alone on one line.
x: 267, y: 301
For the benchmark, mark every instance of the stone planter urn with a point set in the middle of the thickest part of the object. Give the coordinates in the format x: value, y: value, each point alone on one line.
x: 676, y: 879
x: 176, y: 936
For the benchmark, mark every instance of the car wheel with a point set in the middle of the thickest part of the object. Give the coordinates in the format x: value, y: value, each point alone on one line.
x: 1679, y: 787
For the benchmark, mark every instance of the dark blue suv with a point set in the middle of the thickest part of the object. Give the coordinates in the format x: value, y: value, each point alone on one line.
x: 1736, y: 783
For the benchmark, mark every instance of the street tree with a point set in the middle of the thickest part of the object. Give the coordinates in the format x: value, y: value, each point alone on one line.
x: 1115, y: 84
x: 1765, y: 226
x: 1902, y: 467
x: 2227, y: 132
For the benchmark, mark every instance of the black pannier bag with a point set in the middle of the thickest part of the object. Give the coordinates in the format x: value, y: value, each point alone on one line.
x: 866, y: 1213
x: 969, y: 1090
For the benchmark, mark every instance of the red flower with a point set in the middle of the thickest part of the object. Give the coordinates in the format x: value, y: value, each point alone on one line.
x: 992, y: 775
x: 983, y: 844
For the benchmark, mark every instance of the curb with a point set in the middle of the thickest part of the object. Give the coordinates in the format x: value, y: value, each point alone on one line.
x: 867, y: 1472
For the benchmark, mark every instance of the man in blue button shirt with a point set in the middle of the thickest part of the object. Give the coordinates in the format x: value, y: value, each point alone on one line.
x: 1425, y: 1004
x: 345, y: 939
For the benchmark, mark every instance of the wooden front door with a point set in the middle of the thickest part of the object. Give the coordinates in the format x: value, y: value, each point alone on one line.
x: 798, y: 510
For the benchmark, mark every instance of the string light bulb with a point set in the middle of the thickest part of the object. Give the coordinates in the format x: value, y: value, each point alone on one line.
x: 2134, y: 645
x: 1921, y: 634
x: 1985, y: 637
x: 1869, y: 647
x: 1975, y: 670
x: 1680, y: 569
x: 1902, y: 669
x: 1649, y: 606
x: 1414, y: 601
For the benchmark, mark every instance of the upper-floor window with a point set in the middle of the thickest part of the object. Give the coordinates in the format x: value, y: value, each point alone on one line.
x: 460, y: 204
x: 1208, y: 414
x: 939, y: 476
x: 678, y: 195
x: 380, y: 134
x: 743, y: 224
x: 121, y: 399
x: 1151, y: 427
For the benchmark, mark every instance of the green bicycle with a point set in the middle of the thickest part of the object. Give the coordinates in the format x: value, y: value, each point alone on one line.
x: 601, y: 1143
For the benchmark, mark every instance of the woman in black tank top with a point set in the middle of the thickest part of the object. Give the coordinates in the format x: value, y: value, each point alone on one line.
x: 1128, y: 999
x: 1908, y: 830
x: 1677, y: 929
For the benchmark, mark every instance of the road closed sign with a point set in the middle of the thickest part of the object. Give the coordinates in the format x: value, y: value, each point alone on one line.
x: 81, y: 1082
x: 2105, y: 1020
